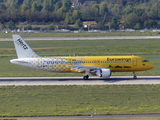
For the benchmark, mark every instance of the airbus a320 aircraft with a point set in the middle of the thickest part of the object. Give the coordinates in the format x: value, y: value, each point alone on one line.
x: 101, y: 66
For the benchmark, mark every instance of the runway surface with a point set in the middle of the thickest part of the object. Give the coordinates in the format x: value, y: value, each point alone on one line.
x: 86, y: 38
x: 87, y: 117
x: 114, y: 80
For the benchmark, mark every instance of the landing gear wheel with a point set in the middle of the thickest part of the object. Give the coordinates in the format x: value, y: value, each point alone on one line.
x: 134, y: 76
x: 85, y: 77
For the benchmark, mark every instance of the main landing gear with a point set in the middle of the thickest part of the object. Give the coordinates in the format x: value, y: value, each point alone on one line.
x: 134, y: 75
x: 85, y: 77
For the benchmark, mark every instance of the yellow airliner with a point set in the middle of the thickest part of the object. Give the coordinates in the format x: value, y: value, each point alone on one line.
x: 101, y: 66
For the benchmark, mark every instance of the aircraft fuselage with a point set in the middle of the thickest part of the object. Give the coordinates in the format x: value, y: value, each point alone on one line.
x: 64, y: 64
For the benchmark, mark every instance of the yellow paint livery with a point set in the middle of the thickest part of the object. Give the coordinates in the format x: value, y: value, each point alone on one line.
x: 116, y: 63
x: 8, y: 119
x: 101, y: 66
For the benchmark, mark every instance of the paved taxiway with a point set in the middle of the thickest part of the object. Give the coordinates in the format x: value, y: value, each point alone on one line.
x: 130, y: 117
x: 86, y: 38
x: 113, y: 80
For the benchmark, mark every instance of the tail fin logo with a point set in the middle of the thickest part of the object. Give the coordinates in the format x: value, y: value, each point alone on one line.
x: 20, y: 43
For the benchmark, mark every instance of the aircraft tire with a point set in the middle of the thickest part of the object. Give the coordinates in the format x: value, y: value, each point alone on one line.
x: 134, y: 77
x: 85, y: 77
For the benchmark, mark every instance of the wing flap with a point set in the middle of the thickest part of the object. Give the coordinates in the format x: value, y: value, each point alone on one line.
x: 81, y: 68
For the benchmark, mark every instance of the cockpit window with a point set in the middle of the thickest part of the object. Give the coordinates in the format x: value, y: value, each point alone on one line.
x: 145, y: 60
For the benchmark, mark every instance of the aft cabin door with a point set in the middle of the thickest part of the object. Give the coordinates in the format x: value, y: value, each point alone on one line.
x: 134, y: 61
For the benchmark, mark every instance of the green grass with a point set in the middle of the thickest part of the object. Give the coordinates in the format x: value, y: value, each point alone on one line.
x: 79, y: 100
x: 97, y: 47
x: 147, y: 48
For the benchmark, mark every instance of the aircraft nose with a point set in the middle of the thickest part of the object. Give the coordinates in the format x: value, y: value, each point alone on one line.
x: 151, y: 66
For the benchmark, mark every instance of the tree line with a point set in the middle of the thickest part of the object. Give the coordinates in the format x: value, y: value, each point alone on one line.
x: 115, y: 14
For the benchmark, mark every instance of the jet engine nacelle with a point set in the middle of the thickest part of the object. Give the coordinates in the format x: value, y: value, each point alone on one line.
x: 104, y: 73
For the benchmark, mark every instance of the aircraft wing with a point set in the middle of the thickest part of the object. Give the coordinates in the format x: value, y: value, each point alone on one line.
x: 81, y: 68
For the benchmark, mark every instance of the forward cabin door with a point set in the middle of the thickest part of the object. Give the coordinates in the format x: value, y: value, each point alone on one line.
x: 134, y: 61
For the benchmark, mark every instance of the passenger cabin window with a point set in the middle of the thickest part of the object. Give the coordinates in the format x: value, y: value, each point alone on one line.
x: 145, y: 60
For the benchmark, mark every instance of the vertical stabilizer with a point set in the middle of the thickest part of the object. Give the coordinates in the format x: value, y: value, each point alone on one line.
x: 22, y: 48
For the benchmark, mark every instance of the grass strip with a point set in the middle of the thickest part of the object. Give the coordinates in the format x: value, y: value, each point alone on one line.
x: 79, y: 100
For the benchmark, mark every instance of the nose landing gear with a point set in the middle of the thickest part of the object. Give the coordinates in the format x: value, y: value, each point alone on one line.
x: 134, y: 75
